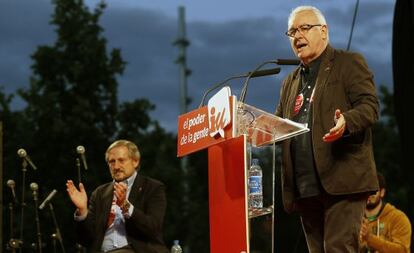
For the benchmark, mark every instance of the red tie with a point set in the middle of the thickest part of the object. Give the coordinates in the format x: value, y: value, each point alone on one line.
x: 111, y: 216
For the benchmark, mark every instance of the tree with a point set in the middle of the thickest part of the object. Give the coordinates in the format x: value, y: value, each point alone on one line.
x: 73, y: 81
x: 387, y: 150
x: 71, y: 100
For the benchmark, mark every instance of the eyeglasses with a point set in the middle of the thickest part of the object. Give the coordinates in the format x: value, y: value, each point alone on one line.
x: 302, y: 29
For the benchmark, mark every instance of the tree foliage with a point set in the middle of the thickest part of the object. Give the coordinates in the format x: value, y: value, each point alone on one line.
x: 72, y: 100
x: 387, y: 150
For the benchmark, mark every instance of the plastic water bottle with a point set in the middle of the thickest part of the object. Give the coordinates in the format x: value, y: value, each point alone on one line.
x: 255, y: 185
x: 176, y: 248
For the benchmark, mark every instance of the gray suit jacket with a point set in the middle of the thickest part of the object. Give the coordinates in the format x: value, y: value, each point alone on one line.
x: 144, y: 227
x: 347, y: 165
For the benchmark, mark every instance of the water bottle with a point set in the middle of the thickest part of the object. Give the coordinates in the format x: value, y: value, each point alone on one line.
x: 255, y: 185
x: 176, y: 248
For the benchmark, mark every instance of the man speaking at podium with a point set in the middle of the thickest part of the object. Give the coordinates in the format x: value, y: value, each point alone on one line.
x: 327, y: 173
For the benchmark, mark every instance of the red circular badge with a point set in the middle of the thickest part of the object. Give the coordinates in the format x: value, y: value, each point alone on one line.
x: 298, y: 104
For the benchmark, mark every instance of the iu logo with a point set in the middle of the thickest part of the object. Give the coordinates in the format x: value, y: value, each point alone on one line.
x: 219, y: 112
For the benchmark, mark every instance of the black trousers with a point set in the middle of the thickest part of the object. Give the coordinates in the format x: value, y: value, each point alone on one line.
x: 332, y: 223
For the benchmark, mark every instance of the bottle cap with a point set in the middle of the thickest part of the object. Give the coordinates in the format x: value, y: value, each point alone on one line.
x: 255, y: 161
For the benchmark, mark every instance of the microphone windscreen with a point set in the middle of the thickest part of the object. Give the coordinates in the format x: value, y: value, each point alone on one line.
x: 22, y: 153
x: 34, y: 186
x: 11, y: 183
x: 80, y: 149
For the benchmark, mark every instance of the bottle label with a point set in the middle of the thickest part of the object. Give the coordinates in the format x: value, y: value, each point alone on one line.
x: 255, y: 185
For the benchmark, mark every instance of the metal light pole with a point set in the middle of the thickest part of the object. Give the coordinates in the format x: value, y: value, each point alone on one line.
x: 182, y: 43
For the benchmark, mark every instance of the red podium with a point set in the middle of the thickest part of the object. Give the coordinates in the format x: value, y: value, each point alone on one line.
x: 237, y: 126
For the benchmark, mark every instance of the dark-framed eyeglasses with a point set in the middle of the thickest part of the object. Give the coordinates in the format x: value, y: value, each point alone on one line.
x: 302, y: 29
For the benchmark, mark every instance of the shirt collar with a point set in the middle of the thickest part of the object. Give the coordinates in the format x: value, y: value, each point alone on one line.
x: 313, y: 66
x: 130, y: 181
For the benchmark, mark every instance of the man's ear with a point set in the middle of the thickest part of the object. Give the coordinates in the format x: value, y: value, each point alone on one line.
x: 136, y: 163
x: 382, y: 193
x: 324, y: 30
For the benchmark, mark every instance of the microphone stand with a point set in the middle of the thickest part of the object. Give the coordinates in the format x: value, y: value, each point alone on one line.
x: 54, y: 238
x: 246, y: 117
x: 246, y: 82
x: 11, y: 228
x: 255, y: 73
x: 57, y: 235
x: 251, y: 74
x: 79, y: 248
x: 79, y: 170
x: 294, y: 62
x: 13, y: 243
x: 23, y: 204
x: 39, y: 234
x: 218, y: 85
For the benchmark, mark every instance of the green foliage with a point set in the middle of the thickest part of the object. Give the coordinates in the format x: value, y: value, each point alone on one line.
x: 74, y: 80
x: 133, y: 120
x: 387, y: 105
x: 5, y: 101
x: 387, y: 150
x: 72, y: 100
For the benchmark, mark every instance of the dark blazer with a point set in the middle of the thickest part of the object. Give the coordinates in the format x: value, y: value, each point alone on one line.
x: 345, y: 166
x: 143, y: 228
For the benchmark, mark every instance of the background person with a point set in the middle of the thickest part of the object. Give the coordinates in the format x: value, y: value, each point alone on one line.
x: 125, y: 215
x: 385, y: 229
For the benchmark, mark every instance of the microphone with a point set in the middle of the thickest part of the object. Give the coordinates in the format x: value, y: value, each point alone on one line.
x: 81, y: 151
x: 278, y: 62
x: 252, y: 74
x: 47, y: 199
x: 287, y: 61
x: 246, y: 82
x: 257, y: 73
x: 12, y: 184
x: 265, y: 72
x: 34, y: 187
x: 23, y: 154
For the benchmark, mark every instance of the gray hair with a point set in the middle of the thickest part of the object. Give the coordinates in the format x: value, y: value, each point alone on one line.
x: 133, y: 150
x: 316, y: 11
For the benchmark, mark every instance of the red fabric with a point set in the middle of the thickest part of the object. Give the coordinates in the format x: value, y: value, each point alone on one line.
x: 111, y: 216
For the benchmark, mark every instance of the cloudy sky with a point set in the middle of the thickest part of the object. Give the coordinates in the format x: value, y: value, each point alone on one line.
x: 227, y: 38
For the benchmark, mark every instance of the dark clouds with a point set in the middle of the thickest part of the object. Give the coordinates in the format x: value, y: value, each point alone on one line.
x: 23, y: 26
x: 219, y: 47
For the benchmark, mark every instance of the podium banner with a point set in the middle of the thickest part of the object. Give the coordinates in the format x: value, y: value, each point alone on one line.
x: 194, y: 128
